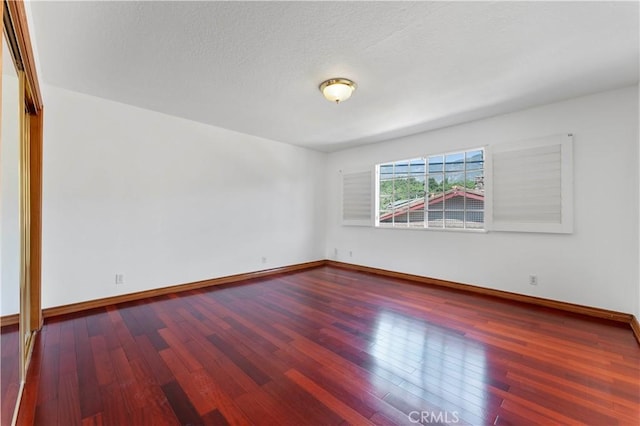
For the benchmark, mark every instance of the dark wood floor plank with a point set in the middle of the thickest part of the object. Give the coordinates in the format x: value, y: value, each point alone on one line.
x: 153, y: 404
x: 356, y: 394
x: 159, y: 369
x: 278, y: 412
x: 102, y: 360
x: 69, y: 400
x: 181, y: 405
x: 330, y: 346
x: 215, y: 321
x: 322, y: 395
x: 67, y: 350
x: 107, y: 325
x: 513, y: 414
x: 95, y: 420
x: 252, y: 334
x: 214, y: 418
x: 295, y: 398
x: 511, y: 401
x: 122, y: 335
x: 588, y: 404
x: 86, y: 372
x: 10, y: 373
x: 231, y: 380
x: 249, y: 368
x: 180, y: 349
x: 206, y: 396
x: 226, y: 406
x: 31, y: 390
x: 173, y: 362
x: 549, y: 377
x: 198, y: 386
x: 132, y: 391
x: 256, y: 413
x: 147, y: 318
x: 45, y: 413
x: 115, y: 411
x: 200, y: 327
x: 261, y: 320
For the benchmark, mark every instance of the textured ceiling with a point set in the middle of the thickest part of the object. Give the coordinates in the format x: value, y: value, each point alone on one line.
x: 255, y: 67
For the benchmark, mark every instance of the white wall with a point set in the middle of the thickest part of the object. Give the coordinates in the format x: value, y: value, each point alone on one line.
x: 9, y: 197
x: 597, y: 265
x: 164, y: 201
x: 167, y: 201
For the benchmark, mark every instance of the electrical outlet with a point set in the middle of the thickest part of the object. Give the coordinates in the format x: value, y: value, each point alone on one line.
x: 335, y: 252
x: 264, y: 259
x: 350, y: 253
x: 119, y: 279
x: 533, y: 280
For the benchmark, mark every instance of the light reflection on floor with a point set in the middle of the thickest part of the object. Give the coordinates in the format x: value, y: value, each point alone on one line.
x: 439, y: 366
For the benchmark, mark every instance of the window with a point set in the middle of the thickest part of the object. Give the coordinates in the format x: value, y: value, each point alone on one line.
x: 401, y: 189
x: 520, y: 186
x: 439, y: 191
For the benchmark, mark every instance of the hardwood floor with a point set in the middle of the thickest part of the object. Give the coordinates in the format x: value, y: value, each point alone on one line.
x: 331, y: 347
x: 9, y: 372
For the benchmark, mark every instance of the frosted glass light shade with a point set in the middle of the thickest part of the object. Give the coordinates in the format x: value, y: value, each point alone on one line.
x: 337, y: 89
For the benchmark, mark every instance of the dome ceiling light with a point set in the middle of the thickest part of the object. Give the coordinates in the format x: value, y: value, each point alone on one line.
x: 337, y: 89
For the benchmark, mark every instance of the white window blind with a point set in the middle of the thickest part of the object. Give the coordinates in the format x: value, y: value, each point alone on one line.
x: 357, y: 198
x: 532, y: 184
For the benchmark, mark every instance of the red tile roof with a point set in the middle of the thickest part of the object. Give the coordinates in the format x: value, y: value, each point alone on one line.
x: 418, y: 204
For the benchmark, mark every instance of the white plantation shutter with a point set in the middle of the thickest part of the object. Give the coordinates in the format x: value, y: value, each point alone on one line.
x: 532, y: 184
x: 357, y: 198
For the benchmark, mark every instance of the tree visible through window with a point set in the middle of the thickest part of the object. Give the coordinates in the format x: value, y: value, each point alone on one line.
x: 439, y: 191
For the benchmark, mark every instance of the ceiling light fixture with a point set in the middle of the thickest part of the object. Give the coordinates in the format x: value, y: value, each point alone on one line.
x: 337, y: 89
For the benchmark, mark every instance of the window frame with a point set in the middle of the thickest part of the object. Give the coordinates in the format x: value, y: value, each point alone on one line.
x: 425, y: 222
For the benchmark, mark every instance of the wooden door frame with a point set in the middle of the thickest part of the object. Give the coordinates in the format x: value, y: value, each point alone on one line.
x: 30, y: 105
x: 19, y: 42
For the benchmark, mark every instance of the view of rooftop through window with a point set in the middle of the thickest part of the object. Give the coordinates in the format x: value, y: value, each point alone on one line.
x: 439, y: 191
